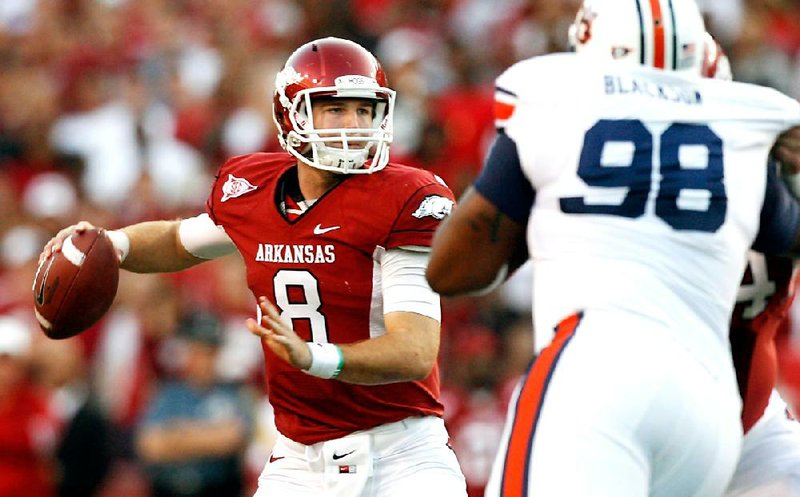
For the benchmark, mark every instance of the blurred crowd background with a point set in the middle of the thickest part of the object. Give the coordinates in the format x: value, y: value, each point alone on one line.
x: 117, y: 111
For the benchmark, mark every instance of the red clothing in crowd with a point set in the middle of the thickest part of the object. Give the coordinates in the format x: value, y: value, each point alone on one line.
x: 28, y: 433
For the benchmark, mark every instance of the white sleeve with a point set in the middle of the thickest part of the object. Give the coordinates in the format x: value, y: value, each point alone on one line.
x: 204, y: 239
x: 404, y: 285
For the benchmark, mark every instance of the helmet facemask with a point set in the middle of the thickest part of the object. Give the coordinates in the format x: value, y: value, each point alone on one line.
x: 342, y: 150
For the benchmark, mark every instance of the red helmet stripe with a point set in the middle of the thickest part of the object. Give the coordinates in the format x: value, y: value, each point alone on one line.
x: 659, y: 41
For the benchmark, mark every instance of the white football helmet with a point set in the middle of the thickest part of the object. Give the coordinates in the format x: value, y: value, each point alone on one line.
x: 666, y: 34
x: 333, y: 67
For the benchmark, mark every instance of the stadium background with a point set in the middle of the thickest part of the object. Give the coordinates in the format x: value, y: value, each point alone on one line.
x: 118, y: 111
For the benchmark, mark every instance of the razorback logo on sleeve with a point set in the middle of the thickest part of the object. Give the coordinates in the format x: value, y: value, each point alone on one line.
x: 435, y: 206
x: 235, y: 187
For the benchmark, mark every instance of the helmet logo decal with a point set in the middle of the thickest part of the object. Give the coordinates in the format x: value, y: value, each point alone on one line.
x: 435, y: 206
x: 288, y: 76
x: 584, y: 25
x: 235, y: 187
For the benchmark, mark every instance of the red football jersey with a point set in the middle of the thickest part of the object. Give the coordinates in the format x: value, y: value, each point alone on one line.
x: 321, y: 271
x: 765, y: 295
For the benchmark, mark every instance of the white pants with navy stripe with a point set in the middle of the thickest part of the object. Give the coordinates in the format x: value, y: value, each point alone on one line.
x: 409, y: 458
x: 613, y: 409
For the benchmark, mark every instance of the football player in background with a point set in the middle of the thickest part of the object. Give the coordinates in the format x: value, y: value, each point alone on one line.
x: 335, y: 240
x: 642, y: 187
x: 770, y: 460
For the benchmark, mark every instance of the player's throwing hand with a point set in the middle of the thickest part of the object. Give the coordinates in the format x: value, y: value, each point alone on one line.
x: 279, y: 336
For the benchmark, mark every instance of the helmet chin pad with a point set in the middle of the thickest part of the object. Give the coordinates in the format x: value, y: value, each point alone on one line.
x: 340, y: 158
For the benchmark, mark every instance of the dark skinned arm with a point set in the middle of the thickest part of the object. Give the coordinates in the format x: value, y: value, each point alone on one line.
x: 472, y: 246
x: 787, y: 152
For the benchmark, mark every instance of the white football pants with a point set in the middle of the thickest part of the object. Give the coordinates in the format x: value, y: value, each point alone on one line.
x: 618, y: 410
x: 770, y: 461
x: 409, y: 458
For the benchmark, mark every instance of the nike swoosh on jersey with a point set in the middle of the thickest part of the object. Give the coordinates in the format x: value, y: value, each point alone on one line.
x: 319, y: 230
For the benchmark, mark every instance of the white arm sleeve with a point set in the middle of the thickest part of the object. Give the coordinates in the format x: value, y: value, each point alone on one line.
x: 204, y: 239
x: 404, y: 285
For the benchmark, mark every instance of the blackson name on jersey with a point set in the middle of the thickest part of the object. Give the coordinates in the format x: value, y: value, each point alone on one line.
x: 623, y: 85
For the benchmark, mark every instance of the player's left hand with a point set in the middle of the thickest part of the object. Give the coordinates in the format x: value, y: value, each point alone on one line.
x: 279, y: 336
x: 787, y: 150
x: 55, y: 243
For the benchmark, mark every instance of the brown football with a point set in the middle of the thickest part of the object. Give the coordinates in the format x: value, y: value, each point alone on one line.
x: 74, y: 287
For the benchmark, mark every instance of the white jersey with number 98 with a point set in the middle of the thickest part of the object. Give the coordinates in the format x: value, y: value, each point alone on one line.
x: 649, y: 188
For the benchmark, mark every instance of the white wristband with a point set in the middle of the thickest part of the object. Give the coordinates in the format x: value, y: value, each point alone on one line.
x: 121, y: 242
x: 326, y: 360
x: 792, y: 181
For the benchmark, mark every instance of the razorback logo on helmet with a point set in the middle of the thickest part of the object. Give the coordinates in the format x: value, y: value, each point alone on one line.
x: 288, y: 76
x: 435, y: 206
x: 235, y: 187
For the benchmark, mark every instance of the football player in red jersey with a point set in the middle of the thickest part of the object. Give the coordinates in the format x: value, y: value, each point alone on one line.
x: 335, y: 240
x: 770, y: 460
